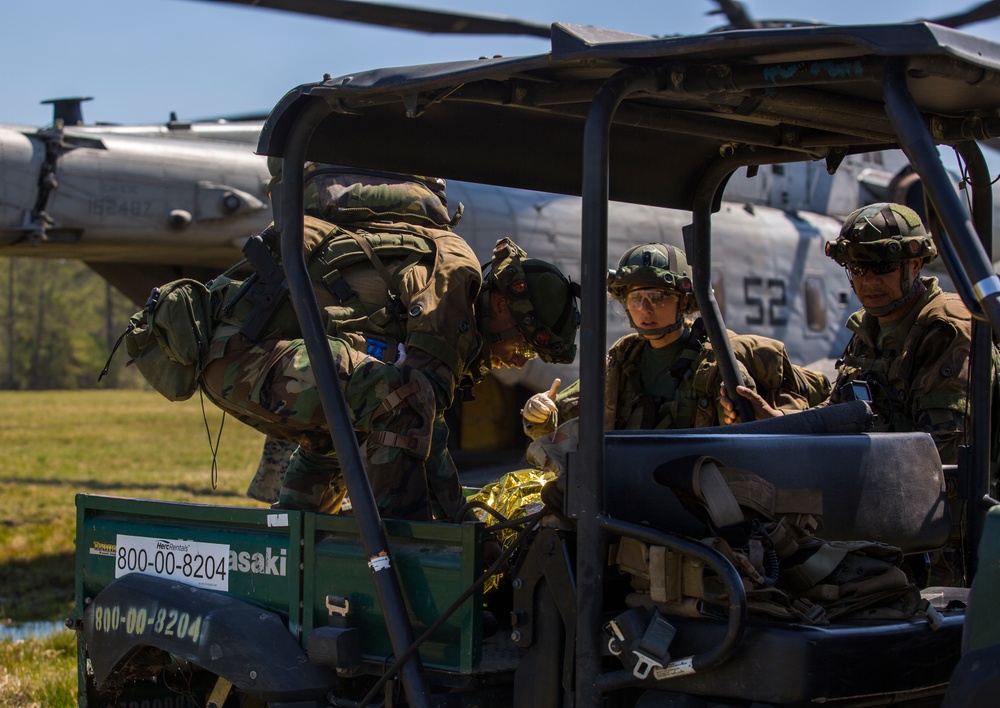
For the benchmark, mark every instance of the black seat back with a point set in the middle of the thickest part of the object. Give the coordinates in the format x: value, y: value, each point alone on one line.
x: 886, y: 487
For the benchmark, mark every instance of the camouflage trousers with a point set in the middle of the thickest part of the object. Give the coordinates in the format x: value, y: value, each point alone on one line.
x: 270, y: 385
x: 266, y: 482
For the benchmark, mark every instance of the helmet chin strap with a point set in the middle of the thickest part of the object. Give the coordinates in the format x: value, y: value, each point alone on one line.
x: 660, y: 332
x: 910, y: 290
x: 484, y: 312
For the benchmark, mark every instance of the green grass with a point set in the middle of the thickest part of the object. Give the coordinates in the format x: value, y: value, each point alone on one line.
x: 38, y: 672
x: 57, y: 444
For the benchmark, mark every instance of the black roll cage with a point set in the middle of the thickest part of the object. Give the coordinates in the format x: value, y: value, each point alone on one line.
x: 652, y: 121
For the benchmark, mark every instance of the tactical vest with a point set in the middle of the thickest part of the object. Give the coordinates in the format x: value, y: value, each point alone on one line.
x: 629, y: 407
x: 763, y: 364
x: 890, y: 374
x: 357, y: 276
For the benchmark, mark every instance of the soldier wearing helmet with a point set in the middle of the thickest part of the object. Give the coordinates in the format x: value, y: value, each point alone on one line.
x: 410, y: 316
x: 910, y: 344
x: 911, y: 340
x: 664, y: 374
x: 881, y: 239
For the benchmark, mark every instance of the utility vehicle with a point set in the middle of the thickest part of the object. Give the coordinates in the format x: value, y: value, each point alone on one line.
x: 192, y: 605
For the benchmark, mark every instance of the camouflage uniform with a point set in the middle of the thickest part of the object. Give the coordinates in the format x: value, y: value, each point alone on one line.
x: 684, y: 391
x: 266, y: 482
x: 917, y: 363
x: 919, y: 376
x: 398, y: 291
x: 913, y: 352
x: 763, y: 363
x: 397, y: 410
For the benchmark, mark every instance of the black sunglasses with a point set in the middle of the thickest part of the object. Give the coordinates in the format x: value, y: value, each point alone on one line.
x: 876, y: 267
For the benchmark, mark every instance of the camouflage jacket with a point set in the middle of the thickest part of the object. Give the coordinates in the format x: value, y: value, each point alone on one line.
x: 919, y: 377
x: 763, y: 363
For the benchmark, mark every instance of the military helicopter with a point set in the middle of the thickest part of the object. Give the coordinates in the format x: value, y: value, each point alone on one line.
x: 182, y: 203
x: 159, y: 209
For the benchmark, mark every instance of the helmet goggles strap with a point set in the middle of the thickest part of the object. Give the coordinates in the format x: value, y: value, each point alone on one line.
x: 889, y: 216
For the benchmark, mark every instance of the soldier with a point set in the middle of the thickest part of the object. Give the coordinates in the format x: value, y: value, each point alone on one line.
x: 911, y: 340
x: 410, y: 317
x: 910, y: 348
x: 664, y: 375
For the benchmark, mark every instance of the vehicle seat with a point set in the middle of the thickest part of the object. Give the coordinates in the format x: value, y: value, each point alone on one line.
x: 886, y: 487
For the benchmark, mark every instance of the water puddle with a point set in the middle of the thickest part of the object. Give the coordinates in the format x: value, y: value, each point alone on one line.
x: 15, y: 631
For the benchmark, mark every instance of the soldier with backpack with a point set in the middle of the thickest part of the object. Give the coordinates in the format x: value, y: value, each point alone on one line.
x: 664, y: 374
x: 410, y: 317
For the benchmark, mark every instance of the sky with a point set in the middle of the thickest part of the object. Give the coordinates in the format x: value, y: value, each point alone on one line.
x: 142, y: 59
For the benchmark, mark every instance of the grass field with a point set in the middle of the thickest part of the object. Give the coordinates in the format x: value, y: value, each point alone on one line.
x: 57, y: 444
x: 38, y: 672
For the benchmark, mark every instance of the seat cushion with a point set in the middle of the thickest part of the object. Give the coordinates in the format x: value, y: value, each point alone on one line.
x: 886, y: 487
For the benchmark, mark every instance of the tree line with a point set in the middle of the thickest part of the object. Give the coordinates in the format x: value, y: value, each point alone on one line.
x: 60, y: 321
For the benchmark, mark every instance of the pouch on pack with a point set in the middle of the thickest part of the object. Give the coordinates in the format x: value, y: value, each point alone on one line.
x: 166, y: 339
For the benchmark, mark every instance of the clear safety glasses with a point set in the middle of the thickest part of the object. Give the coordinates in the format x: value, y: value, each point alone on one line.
x: 656, y: 299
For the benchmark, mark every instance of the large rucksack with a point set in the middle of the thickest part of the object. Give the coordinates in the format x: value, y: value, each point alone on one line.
x: 356, y: 275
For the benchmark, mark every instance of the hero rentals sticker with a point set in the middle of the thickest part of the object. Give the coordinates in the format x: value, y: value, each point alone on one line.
x: 204, y: 565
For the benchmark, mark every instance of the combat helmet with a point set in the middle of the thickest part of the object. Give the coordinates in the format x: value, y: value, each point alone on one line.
x: 654, y: 265
x: 540, y: 298
x: 884, y: 234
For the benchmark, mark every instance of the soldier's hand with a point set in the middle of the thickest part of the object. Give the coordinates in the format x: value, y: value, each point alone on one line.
x: 729, y: 413
x: 542, y: 406
x: 761, y: 408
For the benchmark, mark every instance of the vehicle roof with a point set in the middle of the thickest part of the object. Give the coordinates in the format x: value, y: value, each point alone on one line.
x: 752, y: 96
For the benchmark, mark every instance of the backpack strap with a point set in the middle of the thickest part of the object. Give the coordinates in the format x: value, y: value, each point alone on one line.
x: 623, y: 376
x: 334, y: 282
x: 820, y: 564
x: 375, y: 260
x: 710, y: 486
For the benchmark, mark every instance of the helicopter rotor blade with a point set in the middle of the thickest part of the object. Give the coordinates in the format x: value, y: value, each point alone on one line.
x: 979, y: 13
x: 403, y: 17
x: 736, y: 13
x: 738, y: 17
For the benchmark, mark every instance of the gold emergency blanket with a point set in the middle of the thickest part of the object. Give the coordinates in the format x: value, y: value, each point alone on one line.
x: 514, y: 495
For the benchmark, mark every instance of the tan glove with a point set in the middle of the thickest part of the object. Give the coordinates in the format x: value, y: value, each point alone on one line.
x: 542, y: 406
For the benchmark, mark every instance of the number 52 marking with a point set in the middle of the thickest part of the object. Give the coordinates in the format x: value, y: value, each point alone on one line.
x: 757, y: 292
